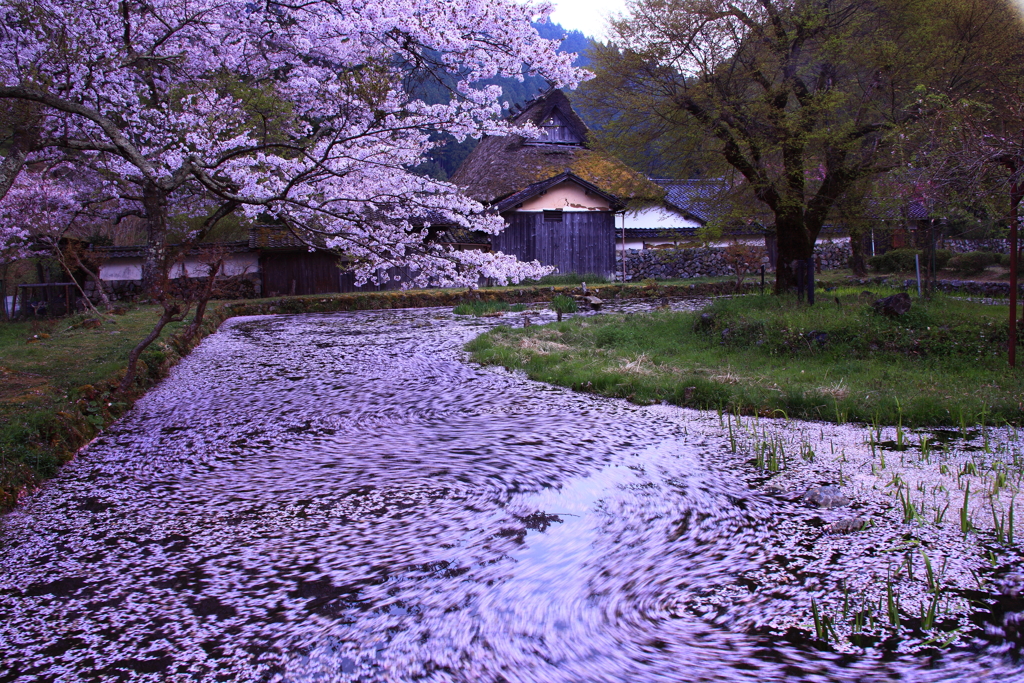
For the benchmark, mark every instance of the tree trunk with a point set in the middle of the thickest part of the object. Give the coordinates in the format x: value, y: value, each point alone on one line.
x: 169, y: 315
x: 154, y: 259
x: 204, y: 298
x: 24, y: 137
x: 794, y: 244
x: 858, y: 259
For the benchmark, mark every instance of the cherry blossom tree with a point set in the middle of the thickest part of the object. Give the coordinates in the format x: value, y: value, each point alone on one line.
x: 290, y: 112
x: 47, y: 210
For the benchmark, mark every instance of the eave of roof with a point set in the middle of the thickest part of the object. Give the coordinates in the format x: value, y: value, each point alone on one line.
x: 535, y: 189
x: 137, y: 250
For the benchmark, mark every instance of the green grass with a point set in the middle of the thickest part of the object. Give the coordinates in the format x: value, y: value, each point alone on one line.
x: 479, y: 308
x: 942, y: 363
x: 75, y: 355
x: 569, y: 279
x: 53, y: 393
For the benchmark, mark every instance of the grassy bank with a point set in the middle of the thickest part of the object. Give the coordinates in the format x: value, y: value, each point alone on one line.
x: 943, y: 363
x: 58, y: 382
x: 58, y: 378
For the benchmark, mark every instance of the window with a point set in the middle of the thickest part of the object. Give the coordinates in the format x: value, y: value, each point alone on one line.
x: 555, y: 130
x: 553, y: 216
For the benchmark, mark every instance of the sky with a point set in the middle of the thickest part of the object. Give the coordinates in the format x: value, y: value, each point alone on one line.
x: 588, y: 16
x: 591, y: 16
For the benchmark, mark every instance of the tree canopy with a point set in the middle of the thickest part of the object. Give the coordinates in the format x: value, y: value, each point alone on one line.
x: 302, y: 114
x: 803, y: 98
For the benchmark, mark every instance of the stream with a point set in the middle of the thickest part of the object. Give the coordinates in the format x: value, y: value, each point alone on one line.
x: 343, y: 497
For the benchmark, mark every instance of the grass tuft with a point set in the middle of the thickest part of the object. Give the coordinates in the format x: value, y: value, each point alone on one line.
x: 943, y: 363
x: 480, y: 308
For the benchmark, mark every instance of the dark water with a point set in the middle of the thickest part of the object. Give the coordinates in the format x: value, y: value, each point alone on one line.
x: 341, y: 497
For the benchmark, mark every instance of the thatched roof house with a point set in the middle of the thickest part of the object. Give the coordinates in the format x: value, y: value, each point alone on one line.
x: 501, y: 166
x: 558, y: 196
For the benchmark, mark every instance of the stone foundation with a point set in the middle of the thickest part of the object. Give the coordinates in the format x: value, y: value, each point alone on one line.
x: 682, y: 264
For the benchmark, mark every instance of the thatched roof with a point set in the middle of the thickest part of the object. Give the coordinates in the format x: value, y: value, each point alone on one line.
x: 502, y: 166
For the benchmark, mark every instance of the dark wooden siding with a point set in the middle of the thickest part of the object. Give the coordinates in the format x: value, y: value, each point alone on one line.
x: 303, y: 272
x: 582, y: 242
x: 299, y: 272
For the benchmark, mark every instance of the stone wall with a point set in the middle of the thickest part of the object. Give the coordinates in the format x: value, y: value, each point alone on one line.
x: 675, y: 264
x: 829, y: 255
x: 958, y: 246
x: 992, y: 289
x: 672, y: 264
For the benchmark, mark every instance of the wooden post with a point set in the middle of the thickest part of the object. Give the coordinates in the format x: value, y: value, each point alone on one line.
x: 623, y: 247
x: 810, y: 281
x: 1016, y: 191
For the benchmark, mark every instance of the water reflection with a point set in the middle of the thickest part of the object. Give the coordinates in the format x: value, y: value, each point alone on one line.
x: 341, y: 497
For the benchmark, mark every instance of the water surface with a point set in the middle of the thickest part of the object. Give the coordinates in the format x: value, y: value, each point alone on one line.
x: 343, y: 497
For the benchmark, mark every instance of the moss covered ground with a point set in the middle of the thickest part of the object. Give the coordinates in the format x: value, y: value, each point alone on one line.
x: 943, y: 363
x: 57, y: 388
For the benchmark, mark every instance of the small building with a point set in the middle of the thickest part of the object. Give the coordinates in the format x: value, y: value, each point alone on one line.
x: 289, y: 266
x: 688, y: 206
x: 272, y: 262
x: 559, y: 197
x: 120, y: 268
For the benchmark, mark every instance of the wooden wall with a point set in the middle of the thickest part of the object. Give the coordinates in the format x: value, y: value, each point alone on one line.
x: 581, y: 242
x: 299, y: 272
x: 304, y: 272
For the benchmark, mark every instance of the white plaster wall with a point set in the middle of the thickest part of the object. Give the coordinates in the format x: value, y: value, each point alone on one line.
x: 657, y: 217
x: 120, y: 268
x: 630, y: 244
x: 567, y: 196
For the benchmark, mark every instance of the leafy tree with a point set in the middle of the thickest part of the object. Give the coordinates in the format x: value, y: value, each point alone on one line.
x: 803, y: 98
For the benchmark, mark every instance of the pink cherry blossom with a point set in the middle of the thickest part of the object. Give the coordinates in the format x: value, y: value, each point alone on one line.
x: 299, y: 112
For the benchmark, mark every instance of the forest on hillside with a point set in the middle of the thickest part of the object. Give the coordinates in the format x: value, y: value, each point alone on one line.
x: 445, y: 160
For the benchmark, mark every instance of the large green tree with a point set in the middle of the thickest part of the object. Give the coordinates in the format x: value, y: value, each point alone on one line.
x: 804, y: 98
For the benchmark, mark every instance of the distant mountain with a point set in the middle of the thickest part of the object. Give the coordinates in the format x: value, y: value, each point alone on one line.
x: 444, y: 161
x: 574, y: 41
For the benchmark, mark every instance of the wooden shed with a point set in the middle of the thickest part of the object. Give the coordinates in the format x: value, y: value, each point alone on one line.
x: 546, y: 222
x: 557, y: 195
x: 290, y: 266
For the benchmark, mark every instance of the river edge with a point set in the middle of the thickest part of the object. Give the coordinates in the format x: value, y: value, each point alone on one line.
x: 71, y: 424
x: 926, y: 520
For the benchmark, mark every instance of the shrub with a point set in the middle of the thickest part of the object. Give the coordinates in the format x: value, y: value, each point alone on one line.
x: 895, y: 261
x: 742, y: 258
x: 942, y: 257
x: 973, y: 262
x: 563, y: 304
x: 1004, y: 260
